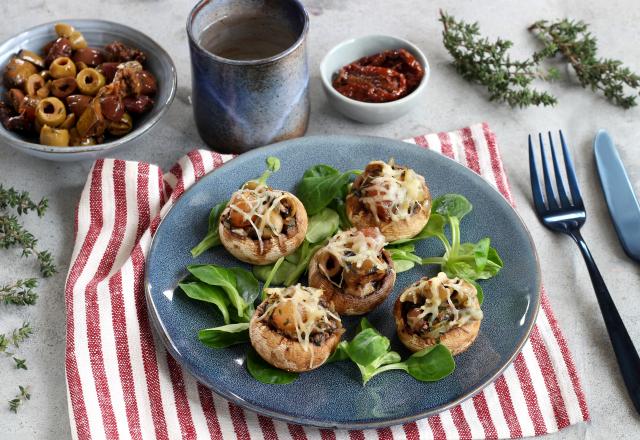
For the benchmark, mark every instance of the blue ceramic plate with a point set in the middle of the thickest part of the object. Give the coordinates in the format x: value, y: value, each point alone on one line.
x: 333, y: 395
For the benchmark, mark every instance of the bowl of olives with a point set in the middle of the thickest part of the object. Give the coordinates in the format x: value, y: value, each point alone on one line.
x: 80, y: 89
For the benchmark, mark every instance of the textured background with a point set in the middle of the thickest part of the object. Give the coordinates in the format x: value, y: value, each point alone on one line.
x: 449, y: 103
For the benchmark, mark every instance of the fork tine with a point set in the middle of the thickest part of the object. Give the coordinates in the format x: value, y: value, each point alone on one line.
x: 551, y: 198
x: 538, y: 198
x: 562, y: 193
x: 571, y: 174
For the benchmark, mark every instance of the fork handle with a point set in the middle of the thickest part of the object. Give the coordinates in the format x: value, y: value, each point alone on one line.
x: 626, y: 353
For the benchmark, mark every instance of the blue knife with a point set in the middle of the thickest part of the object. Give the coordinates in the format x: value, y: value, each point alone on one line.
x: 618, y: 192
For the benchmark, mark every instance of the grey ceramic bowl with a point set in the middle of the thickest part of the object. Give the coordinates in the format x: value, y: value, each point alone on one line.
x: 367, y: 112
x: 98, y: 33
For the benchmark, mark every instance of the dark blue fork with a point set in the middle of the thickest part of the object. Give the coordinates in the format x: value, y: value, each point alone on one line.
x: 567, y: 216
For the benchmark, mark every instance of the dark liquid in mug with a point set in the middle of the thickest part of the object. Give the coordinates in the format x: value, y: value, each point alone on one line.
x: 247, y: 37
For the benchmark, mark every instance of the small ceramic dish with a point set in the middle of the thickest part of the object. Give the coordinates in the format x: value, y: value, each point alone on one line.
x: 368, y: 112
x: 98, y: 33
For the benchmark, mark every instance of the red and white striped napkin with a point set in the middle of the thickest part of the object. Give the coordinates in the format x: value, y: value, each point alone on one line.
x: 123, y: 384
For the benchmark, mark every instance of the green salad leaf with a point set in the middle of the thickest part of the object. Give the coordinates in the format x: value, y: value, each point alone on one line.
x: 212, y: 239
x: 470, y: 261
x: 212, y: 294
x: 430, y: 364
x: 403, y: 265
x: 369, y: 350
x: 225, y: 336
x: 433, y: 228
x: 320, y: 185
x: 322, y: 225
x: 239, y: 285
x: 269, y: 279
x: 247, y: 285
x: 273, y: 165
x: 221, y: 277
x: 267, y: 373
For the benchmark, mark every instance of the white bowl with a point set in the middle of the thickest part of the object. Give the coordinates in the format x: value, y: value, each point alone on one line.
x: 370, y: 112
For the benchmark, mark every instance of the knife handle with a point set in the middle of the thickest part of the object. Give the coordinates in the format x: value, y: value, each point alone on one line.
x: 626, y: 353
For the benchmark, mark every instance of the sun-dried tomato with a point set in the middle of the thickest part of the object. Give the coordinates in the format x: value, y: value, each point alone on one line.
x: 370, y: 83
x: 383, y: 77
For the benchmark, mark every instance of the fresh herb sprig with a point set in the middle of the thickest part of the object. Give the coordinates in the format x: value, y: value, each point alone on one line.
x: 20, y: 398
x: 19, y: 293
x: 578, y: 46
x: 488, y: 63
x: 21, y: 202
x: 13, y: 234
x: 15, y: 337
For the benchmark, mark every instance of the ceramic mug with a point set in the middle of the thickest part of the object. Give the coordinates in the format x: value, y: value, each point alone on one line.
x: 240, y: 104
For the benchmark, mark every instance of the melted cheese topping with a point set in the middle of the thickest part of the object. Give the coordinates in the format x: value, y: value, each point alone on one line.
x: 302, y: 308
x: 396, y: 189
x: 353, y: 248
x: 446, y: 303
x: 260, y: 207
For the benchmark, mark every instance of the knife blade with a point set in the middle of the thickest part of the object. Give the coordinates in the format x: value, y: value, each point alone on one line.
x: 618, y: 192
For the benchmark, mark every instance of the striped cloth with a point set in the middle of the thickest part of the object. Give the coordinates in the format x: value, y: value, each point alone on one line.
x: 123, y: 384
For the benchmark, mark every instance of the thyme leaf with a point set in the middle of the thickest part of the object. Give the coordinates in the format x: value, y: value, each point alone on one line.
x: 21, y: 364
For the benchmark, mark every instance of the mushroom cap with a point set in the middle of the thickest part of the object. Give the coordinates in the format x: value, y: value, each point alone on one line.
x: 344, y: 303
x: 285, y: 353
x: 248, y: 250
x: 392, y: 230
x: 456, y: 340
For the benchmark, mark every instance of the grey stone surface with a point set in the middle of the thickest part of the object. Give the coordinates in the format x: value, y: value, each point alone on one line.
x: 449, y: 103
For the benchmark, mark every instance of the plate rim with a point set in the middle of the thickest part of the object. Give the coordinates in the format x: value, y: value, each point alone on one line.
x: 320, y: 423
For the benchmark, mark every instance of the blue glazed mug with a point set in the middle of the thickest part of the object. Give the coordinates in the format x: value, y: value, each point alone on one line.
x: 240, y: 104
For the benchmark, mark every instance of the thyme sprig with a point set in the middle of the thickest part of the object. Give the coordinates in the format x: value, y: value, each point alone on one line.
x: 20, y: 293
x: 574, y: 42
x: 15, y: 338
x: 20, y: 398
x: 13, y: 234
x: 21, y: 202
x: 488, y: 63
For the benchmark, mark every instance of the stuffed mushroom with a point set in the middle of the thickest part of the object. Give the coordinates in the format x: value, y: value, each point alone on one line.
x: 438, y: 309
x: 394, y: 198
x: 295, y: 328
x: 261, y: 224
x: 354, y: 271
